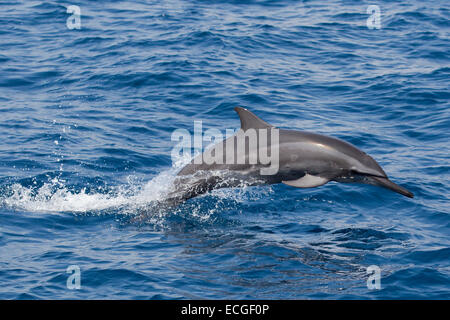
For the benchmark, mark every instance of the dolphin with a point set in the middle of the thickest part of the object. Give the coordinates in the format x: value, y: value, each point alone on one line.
x: 305, y: 160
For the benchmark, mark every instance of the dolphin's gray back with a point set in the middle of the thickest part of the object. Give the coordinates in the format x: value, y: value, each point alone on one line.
x: 296, y: 148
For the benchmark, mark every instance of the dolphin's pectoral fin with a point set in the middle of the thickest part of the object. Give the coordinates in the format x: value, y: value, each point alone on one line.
x: 307, y: 181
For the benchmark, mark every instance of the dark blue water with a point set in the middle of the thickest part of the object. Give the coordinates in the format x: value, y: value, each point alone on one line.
x: 86, y: 117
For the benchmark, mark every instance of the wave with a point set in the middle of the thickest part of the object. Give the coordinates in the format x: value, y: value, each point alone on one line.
x: 58, y: 196
x: 144, y: 202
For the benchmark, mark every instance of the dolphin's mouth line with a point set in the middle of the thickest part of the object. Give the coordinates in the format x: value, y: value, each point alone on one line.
x: 358, y: 173
x: 388, y: 184
x: 355, y: 176
x: 376, y: 180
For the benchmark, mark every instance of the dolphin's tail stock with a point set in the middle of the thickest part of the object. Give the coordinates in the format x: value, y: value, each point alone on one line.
x: 388, y: 184
x: 187, y: 187
x: 167, y: 202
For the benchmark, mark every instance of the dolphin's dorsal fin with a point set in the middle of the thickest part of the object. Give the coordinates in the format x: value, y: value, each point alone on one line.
x: 250, y: 120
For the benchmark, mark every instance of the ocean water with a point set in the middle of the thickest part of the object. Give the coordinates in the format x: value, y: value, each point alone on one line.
x: 86, y: 117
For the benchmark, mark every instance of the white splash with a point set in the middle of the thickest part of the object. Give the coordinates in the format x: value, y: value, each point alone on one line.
x: 55, y: 197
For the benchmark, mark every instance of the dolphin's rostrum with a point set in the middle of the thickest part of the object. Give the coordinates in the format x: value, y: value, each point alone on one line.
x: 304, y: 160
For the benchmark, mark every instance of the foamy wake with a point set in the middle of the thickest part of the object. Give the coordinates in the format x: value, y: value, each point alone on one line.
x: 130, y: 198
x: 55, y: 196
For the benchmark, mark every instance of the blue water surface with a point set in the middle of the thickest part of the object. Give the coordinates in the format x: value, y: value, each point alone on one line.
x: 86, y: 118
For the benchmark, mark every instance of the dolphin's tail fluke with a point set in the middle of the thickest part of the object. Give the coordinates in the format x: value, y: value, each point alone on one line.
x: 388, y: 184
